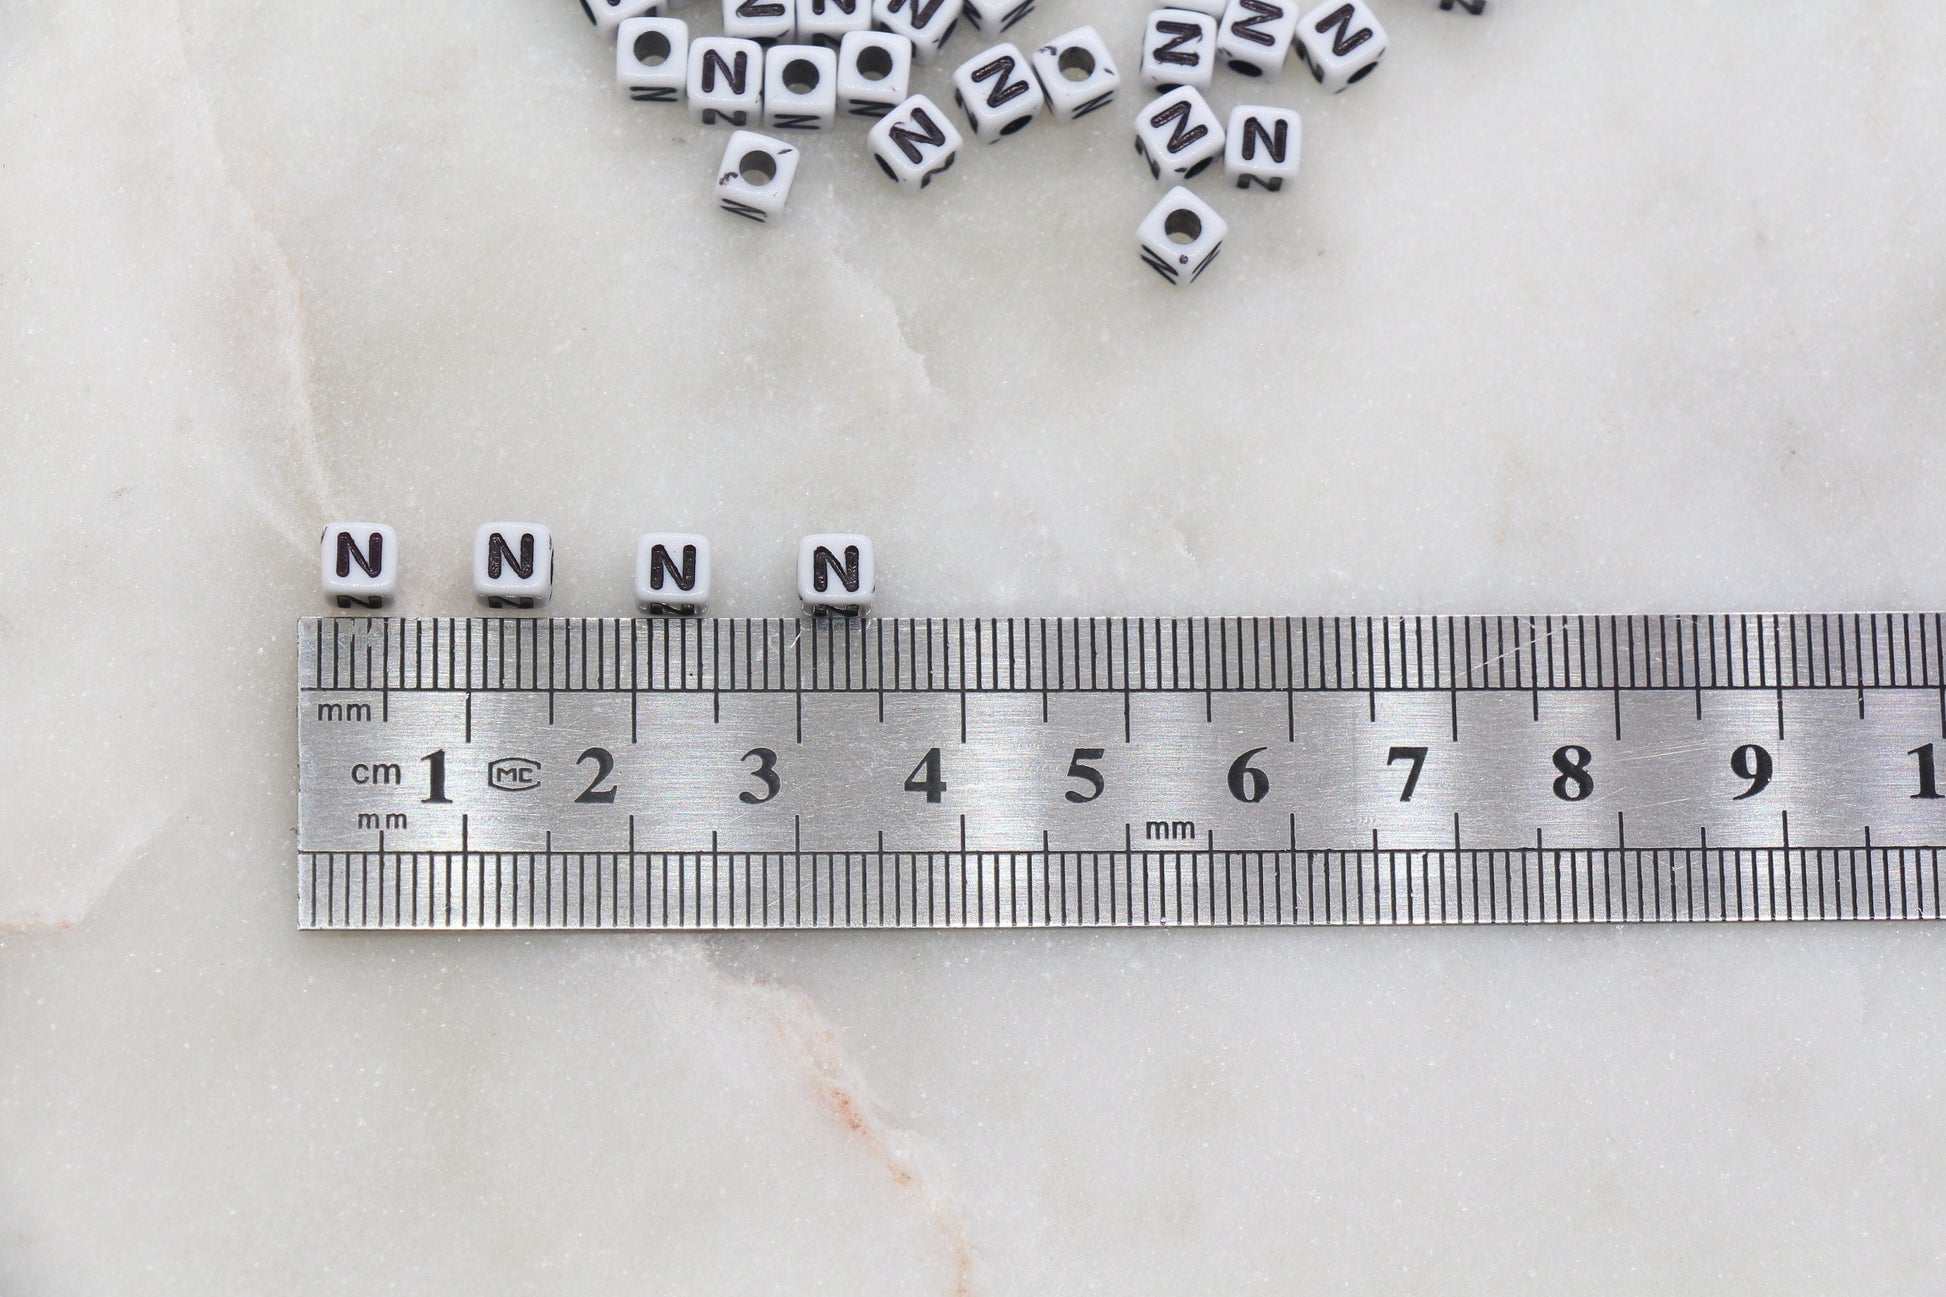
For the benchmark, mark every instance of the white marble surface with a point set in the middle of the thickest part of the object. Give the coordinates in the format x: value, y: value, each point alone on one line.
x: 1594, y: 306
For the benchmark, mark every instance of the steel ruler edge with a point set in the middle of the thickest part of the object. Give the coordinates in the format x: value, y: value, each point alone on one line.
x: 733, y: 773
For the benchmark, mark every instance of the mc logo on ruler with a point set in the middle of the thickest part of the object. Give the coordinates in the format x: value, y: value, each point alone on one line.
x: 735, y: 773
x: 514, y: 774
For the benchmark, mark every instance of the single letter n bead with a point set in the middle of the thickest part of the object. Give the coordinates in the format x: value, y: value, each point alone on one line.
x: 1077, y: 74
x: 672, y: 574
x: 1181, y: 236
x: 874, y: 70
x: 652, y: 59
x: 1341, y: 41
x: 1179, y: 49
x: 835, y: 576
x: 1178, y: 135
x: 1255, y: 39
x: 755, y: 179
x: 513, y: 565
x: 997, y: 91
x: 800, y: 88
x: 726, y: 81
x: 1261, y: 147
x: 914, y: 142
x: 359, y: 564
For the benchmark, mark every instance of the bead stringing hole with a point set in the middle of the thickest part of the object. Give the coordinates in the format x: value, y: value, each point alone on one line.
x: 1183, y: 226
x: 874, y: 63
x: 1076, y: 63
x: 759, y: 168
x: 651, y: 49
x: 800, y: 76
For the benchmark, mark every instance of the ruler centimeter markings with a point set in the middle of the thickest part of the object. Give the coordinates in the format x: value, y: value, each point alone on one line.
x: 725, y: 773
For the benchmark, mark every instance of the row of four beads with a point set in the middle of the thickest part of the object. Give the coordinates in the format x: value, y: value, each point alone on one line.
x: 513, y: 567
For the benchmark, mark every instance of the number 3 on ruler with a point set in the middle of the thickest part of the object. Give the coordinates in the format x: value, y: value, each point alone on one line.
x: 765, y: 773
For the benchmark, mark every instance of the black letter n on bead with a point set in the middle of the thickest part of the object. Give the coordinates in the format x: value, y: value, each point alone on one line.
x: 1345, y: 40
x: 1179, y: 138
x: 824, y: 562
x: 1260, y: 11
x: 927, y: 132
x: 1003, y: 91
x: 922, y: 10
x: 662, y: 568
x: 1276, y: 145
x: 734, y: 71
x: 1179, y: 34
x: 499, y: 554
x: 371, y: 560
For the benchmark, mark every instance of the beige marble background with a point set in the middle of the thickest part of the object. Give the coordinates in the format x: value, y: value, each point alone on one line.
x: 1580, y: 306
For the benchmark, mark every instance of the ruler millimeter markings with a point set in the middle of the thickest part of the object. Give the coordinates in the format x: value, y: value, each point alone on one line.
x: 1012, y: 772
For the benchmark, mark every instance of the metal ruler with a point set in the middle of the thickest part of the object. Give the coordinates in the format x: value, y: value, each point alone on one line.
x: 1027, y: 772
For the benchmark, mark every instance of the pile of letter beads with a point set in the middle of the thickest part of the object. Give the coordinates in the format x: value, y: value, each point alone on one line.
x: 1179, y: 136
x: 513, y: 567
x: 802, y: 66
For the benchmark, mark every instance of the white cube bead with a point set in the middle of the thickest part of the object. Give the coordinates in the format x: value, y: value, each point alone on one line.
x: 1254, y: 39
x: 874, y: 73
x: 765, y: 21
x: 914, y: 142
x: 1461, y: 6
x: 1214, y: 8
x: 1179, y: 49
x: 991, y: 17
x: 1261, y: 147
x: 1077, y: 74
x: 672, y: 574
x: 834, y: 575
x: 1178, y: 135
x: 1341, y: 41
x: 358, y: 563
x: 1181, y: 237
x: 827, y: 22
x: 928, y: 24
x: 800, y: 87
x: 754, y: 180
x: 652, y: 58
x: 607, y: 15
x: 726, y: 81
x: 513, y: 565
x: 997, y: 91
